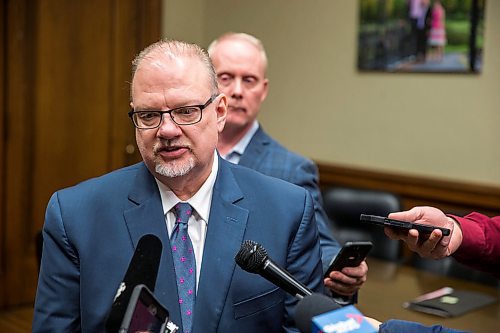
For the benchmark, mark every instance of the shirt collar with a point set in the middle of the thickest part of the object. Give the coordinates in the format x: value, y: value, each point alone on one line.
x: 245, y: 140
x: 200, y: 201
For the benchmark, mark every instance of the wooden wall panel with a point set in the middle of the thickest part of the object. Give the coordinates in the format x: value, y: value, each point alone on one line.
x: 67, y: 67
x: 3, y: 249
x: 72, y: 102
x: 145, y: 22
x: 17, y: 274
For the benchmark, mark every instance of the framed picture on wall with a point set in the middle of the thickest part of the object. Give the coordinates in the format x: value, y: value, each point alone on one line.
x: 440, y: 36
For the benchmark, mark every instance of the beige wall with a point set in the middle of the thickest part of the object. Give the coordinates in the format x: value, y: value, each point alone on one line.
x: 185, y: 20
x: 319, y: 105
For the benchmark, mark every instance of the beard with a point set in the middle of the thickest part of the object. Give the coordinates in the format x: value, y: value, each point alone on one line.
x: 174, y: 168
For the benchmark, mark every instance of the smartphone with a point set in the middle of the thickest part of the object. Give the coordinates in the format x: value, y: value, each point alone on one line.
x: 350, y: 255
x: 386, y: 222
x: 144, y: 313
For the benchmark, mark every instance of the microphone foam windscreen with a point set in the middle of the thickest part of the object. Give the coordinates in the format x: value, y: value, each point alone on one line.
x: 144, y: 265
x: 251, y: 256
x: 142, y: 269
x: 311, y: 306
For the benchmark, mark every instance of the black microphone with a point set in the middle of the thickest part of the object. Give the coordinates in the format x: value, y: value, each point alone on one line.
x: 143, y: 269
x: 253, y: 258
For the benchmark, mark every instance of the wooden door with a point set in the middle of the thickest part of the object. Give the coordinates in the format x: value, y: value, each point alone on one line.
x: 65, y: 68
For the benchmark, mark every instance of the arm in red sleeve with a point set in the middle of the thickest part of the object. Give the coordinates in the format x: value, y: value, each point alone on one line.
x: 480, y: 246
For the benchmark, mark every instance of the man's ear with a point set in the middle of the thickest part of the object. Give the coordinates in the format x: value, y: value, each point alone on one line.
x: 221, y: 111
x: 266, y: 89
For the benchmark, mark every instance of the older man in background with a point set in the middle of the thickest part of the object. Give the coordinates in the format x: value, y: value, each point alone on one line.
x: 240, y: 63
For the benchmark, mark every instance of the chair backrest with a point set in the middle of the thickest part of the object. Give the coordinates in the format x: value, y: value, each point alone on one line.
x: 344, y: 206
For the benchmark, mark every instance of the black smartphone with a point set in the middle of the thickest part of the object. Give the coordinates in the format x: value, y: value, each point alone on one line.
x: 144, y: 313
x: 350, y: 255
x: 387, y: 222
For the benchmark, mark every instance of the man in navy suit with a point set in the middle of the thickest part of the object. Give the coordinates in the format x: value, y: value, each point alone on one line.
x: 92, y: 229
x: 240, y: 62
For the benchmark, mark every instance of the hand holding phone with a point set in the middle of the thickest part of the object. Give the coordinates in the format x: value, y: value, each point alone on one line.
x: 387, y: 222
x: 350, y: 255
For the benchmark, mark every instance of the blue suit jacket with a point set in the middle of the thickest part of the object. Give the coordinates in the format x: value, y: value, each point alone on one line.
x: 92, y: 229
x: 269, y: 157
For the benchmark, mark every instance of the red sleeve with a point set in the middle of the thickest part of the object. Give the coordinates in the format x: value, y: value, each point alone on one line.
x: 480, y: 246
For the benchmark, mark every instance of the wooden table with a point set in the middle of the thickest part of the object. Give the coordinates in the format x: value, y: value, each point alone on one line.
x: 389, y: 285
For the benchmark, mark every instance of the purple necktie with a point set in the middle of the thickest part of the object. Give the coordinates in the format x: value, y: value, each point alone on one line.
x: 184, y: 263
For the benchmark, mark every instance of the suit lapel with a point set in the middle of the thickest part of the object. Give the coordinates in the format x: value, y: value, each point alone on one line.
x: 146, y: 217
x: 226, y: 227
x: 256, y: 150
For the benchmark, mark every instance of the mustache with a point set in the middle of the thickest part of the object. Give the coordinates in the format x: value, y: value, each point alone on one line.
x: 165, y: 144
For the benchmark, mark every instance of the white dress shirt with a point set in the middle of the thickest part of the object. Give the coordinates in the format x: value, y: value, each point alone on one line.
x: 198, y: 222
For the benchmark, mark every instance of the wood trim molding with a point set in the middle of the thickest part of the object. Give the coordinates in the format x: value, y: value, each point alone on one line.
x: 453, y: 197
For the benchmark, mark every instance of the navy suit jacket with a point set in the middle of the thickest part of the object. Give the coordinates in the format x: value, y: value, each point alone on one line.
x: 269, y: 157
x: 92, y: 229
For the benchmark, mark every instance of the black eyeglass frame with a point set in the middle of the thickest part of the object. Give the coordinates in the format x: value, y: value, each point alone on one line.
x: 200, y: 106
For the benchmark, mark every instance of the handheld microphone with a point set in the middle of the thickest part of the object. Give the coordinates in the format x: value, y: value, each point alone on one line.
x: 253, y: 258
x: 143, y: 269
x: 318, y: 313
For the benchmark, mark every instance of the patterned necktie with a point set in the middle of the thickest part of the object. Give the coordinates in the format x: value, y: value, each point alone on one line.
x: 184, y: 263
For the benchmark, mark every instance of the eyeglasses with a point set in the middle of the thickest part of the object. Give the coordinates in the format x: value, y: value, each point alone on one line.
x: 184, y: 115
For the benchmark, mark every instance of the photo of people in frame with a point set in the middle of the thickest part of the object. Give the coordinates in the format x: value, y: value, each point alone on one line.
x: 442, y: 36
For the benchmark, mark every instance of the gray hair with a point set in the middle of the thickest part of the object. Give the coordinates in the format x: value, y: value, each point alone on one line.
x: 243, y: 37
x: 178, y: 48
